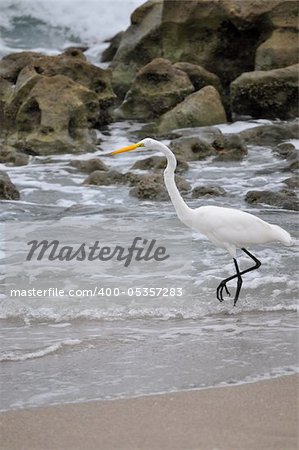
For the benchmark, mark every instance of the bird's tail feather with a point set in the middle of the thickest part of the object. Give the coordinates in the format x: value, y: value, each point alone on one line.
x: 281, y: 235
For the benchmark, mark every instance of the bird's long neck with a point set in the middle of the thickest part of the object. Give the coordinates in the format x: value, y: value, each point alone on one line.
x: 183, y: 211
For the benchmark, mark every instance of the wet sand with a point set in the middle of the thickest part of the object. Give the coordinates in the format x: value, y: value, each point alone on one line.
x: 257, y: 416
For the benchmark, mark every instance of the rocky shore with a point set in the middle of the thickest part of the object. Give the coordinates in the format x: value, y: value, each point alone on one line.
x: 180, y: 70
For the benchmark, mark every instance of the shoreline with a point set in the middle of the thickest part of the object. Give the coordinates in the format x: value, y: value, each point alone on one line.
x: 259, y: 415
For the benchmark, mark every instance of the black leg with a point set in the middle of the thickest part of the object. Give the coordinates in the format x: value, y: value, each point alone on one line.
x: 257, y: 261
x: 238, y: 275
x: 239, y: 282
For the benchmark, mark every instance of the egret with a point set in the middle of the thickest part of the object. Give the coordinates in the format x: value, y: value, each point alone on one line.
x: 227, y: 228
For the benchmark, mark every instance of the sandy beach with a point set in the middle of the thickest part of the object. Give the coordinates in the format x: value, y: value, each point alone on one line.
x: 256, y: 416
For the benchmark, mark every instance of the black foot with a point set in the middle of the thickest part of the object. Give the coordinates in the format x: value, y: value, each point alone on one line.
x: 220, y: 288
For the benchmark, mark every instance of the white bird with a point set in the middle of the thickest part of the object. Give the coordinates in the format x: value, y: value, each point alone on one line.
x: 227, y: 228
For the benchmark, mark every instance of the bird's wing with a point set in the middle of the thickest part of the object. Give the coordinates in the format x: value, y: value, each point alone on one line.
x: 232, y: 226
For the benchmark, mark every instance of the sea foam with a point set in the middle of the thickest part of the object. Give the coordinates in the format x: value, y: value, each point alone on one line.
x: 48, y: 26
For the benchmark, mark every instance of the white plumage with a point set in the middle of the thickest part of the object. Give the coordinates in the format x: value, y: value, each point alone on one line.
x: 230, y: 228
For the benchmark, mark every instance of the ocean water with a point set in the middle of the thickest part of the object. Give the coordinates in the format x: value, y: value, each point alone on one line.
x: 50, y: 27
x: 101, y: 344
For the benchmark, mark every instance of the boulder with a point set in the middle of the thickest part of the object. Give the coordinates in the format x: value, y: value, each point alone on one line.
x: 26, y: 80
x: 54, y: 117
x: 280, y: 50
x: 220, y: 36
x: 152, y: 187
x: 281, y: 13
x: 268, y: 94
x: 109, y: 53
x: 293, y: 163
x: 76, y: 52
x: 72, y: 63
x: 158, y: 163
x: 12, y: 64
x: 105, y: 178
x: 268, y: 14
x: 199, y: 143
x: 285, y: 198
x: 192, y: 148
x: 201, y: 108
x: 209, y: 33
x: 89, y: 165
x: 229, y: 147
x: 158, y: 87
x: 6, y: 88
x: 285, y: 150
x: 79, y: 70
x: 139, y: 45
x: 199, y: 76
x: 8, y: 190
x: 271, y: 134
x: 11, y: 156
x: 292, y: 182
x: 54, y: 101
x: 208, y: 191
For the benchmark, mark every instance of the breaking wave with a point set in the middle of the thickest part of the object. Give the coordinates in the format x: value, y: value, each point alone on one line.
x: 36, y: 24
x: 23, y: 356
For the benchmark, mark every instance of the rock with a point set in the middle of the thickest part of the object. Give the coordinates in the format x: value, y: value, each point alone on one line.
x: 209, y: 134
x: 292, y: 182
x: 192, y: 148
x: 109, y: 53
x: 54, y: 117
x: 211, y: 33
x: 105, y: 178
x: 282, y: 13
x: 150, y: 163
x: 266, y: 15
x: 54, y: 102
x: 145, y: 187
x: 89, y: 165
x: 206, y: 33
x: 230, y: 147
x: 76, y: 52
x: 293, y: 162
x: 79, y: 70
x: 199, y: 143
x: 152, y: 187
x: 201, y: 108
x: 11, y: 65
x: 139, y: 45
x: 285, y: 150
x: 8, y: 190
x: 271, y: 134
x: 6, y: 89
x: 72, y: 63
x: 10, y: 155
x: 280, y: 50
x: 268, y: 94
x: 26, y: 80
x: 158, y: 87
x: 208, y: 191
x: 199, y: 76
x: 158, y: 163
x: 285, y: 198
x: 132, y: 178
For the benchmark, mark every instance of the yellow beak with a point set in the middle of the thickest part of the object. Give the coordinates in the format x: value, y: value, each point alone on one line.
x: 126, y: 149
